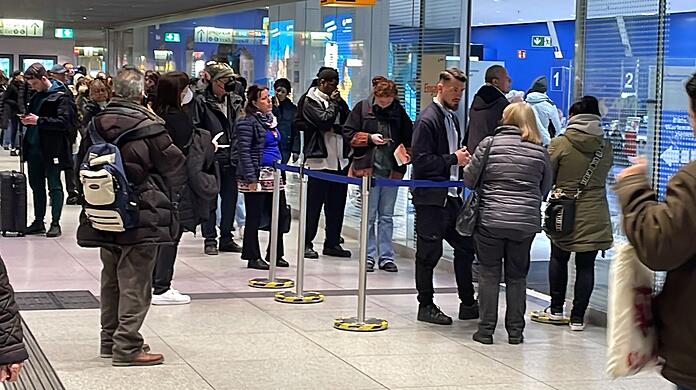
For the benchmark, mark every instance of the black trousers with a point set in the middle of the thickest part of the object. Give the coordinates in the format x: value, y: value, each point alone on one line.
x: 256, y: 205
x: 228, y: 205
x: 433, y: 225
x: 584, y: 279
x: 493, y: 253
x: 163, y: 273
x: 331, y: 197
x: 71, y: 179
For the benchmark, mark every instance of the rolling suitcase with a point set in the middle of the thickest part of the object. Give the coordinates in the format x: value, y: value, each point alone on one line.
x: 13, y: 202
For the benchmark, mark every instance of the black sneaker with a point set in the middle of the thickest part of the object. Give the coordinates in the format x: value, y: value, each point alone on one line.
x: 35, y: 228
x: 6, y: 147
x: 515, y: 340
x: 468, y: 312
x: 370, y: 265
x: 483, y: 339
x: 577, y: 324
x: 336, y: 251
x: 14, y: 153
x: 73, y: 200
x: 54, y: 231
x: 310, y: 253
x: 281, y: 262
x: 258, y: 264
x: 230, y: 246
x: 389, y: 266
x: 211, y: 249
x: 432, y: 314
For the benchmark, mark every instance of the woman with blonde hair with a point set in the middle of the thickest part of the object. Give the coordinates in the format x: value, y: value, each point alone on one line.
x: 511, y: 172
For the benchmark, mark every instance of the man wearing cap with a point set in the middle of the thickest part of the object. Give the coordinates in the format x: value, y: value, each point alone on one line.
x: 60, y: 73
x: 46, y: 145
x: 216, y: 110
x: 321, y: 113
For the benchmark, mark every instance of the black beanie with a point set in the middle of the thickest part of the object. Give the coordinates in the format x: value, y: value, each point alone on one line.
x: 285, y: 83
x: 540, y: 84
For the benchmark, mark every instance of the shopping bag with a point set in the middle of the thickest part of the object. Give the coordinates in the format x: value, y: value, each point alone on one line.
x: 631, y: 333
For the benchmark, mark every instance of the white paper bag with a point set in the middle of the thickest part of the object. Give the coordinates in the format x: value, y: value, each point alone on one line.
x: 631, y: 332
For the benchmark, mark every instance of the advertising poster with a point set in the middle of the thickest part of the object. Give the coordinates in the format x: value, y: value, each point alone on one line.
x: 281, y: 48
x: 340, y: 26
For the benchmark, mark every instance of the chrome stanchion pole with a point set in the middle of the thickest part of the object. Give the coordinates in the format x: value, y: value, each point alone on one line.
x: 360, y: 323
x: 301, y: 296
x: 271, y: 282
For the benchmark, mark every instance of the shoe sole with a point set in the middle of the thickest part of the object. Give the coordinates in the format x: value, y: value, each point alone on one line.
x: 312, y: 257
x: 484, y: 341
x: 435, y: 323
x: 515, y: 341
x: 170, y: 303
x: 138, y: 364
x: 231, y: 251
x: 577, y: 328
x: 339, y: 256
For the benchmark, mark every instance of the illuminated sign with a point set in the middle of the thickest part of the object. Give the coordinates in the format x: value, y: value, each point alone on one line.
x: 173, y: 37
x: 21, y: 27
x: 64, y: 33
x: 229, y: 36
x: 348, y: 3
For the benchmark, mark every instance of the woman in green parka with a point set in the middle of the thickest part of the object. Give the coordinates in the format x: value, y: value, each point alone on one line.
x: 571, y: 155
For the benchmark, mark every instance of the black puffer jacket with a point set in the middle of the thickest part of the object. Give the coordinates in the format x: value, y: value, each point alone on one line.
x: 252, y: 139
x: 316, y: 119
x: 153, y: 165
x: 206, y: 114
x: 10, y: 100
x: 485, y: 115
x: 515, y: 180
x: 285, y: 113
x: 12, y: 349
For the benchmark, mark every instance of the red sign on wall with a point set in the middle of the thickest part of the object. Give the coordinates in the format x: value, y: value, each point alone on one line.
x: 521, y: 54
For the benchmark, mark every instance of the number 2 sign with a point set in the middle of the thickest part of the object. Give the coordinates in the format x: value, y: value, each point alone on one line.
x: 629, y: 81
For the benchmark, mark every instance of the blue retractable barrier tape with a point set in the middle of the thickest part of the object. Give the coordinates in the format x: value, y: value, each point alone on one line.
x: 378, y: 182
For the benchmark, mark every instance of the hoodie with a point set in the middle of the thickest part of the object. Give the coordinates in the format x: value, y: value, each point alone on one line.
x: 485, y: 115
x: 546, y: 113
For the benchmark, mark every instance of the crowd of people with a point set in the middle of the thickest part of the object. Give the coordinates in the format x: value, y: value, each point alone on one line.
x: 190, y: 147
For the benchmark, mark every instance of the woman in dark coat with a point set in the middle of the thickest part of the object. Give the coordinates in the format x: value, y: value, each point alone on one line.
x: 571, y: 155
x: 258, y: 138
x: 12, y: 350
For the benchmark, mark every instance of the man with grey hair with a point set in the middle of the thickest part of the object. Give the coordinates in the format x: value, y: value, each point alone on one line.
x: 155, y: 170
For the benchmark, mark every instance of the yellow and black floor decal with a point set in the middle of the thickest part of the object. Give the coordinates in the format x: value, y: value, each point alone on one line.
x: 542, y: 318
x: 271, y: 284
x: 353, y: 325
x: 306, y: 297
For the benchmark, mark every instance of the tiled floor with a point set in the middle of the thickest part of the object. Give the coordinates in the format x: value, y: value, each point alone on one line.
x: 250, y: 343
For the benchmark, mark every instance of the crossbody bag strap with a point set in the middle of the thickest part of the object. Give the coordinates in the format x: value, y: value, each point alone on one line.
x: 599, y: 154
x: 484, y: 163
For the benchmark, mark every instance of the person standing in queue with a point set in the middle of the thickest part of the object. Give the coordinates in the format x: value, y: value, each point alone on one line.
x: 258, y: 139
x: 488, y: 106
x: 321, y: 114
x: 438, y: 155
x: 513, y: 171
x: 571, y: 155
x: 662, y: 234
x: 377, y: 128
x: 216, y: 109
x: 46, y: 146
x: 284, y: 110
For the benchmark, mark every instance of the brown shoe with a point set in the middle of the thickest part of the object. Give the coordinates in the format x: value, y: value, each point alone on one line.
x: 142, y: 359
x: 108, y: 354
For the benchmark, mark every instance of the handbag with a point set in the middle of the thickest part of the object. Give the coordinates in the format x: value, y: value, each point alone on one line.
x: 559, y: 217
x: 284, y: 220
x: 469, y: 213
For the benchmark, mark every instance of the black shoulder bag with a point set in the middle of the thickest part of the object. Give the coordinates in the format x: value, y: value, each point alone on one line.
x: 469, y: 213
x: 559, y: 218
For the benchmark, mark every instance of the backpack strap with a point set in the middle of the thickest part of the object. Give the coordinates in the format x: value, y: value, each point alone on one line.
x: 94, y: 135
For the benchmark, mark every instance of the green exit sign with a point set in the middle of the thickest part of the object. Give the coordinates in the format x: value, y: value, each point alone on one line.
x: 541, y: 41
x: 172, y: 37
x: 64, y: 33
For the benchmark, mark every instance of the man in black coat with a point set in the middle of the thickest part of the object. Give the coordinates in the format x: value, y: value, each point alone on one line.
x: 321, y: 113
x: 46, y: 147
x: 216, y: 109
x: 439, y: 156
x: 488, y: 106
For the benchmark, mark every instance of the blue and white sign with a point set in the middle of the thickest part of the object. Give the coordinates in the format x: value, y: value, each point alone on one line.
x: 677, y: 147
x: 557, y: 79
x: 629, y: 78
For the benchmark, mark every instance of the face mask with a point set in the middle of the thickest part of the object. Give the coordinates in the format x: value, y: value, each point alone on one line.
x: 82, y: 88
x: 231, y: 86
x: 187, y: 97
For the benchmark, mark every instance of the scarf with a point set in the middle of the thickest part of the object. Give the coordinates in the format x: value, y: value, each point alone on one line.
x: 269, y: 120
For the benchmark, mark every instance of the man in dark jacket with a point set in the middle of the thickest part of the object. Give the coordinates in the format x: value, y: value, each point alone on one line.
x: 216, y: 109
x: 13, y: 108
x: 438, y: 156
x: 284, y: 110
x: 321, y: 113
x: 487, y: 109
x: 156, y: 170
x: 12, y: 350
x: 46, y: 146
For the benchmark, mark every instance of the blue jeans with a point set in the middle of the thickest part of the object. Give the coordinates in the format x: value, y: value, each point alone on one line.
x: 10, y: 137
x: 381, y: 213
x: 682, y: 388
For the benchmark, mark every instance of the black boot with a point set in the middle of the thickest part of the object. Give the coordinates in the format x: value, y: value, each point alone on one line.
x: 310, y: 253
x: 36, y: 227
x: 258, y: 264
x: 336, y: 251
x: 210, y: 248
x: 230, y: 246
x: 54, y: 231
x: 468, y: 312
x: 483, y: 339
x: 432, y: 314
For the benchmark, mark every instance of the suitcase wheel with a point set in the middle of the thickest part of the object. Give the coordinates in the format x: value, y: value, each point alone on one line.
x: 4, y: 234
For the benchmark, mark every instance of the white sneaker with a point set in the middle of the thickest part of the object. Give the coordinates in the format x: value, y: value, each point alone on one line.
x: 577, y: 326
x: 171, y: 297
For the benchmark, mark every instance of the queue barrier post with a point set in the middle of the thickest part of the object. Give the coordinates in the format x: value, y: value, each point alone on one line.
x: 360, y: 323
x: 272, y: 282
x: 299, y: 296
